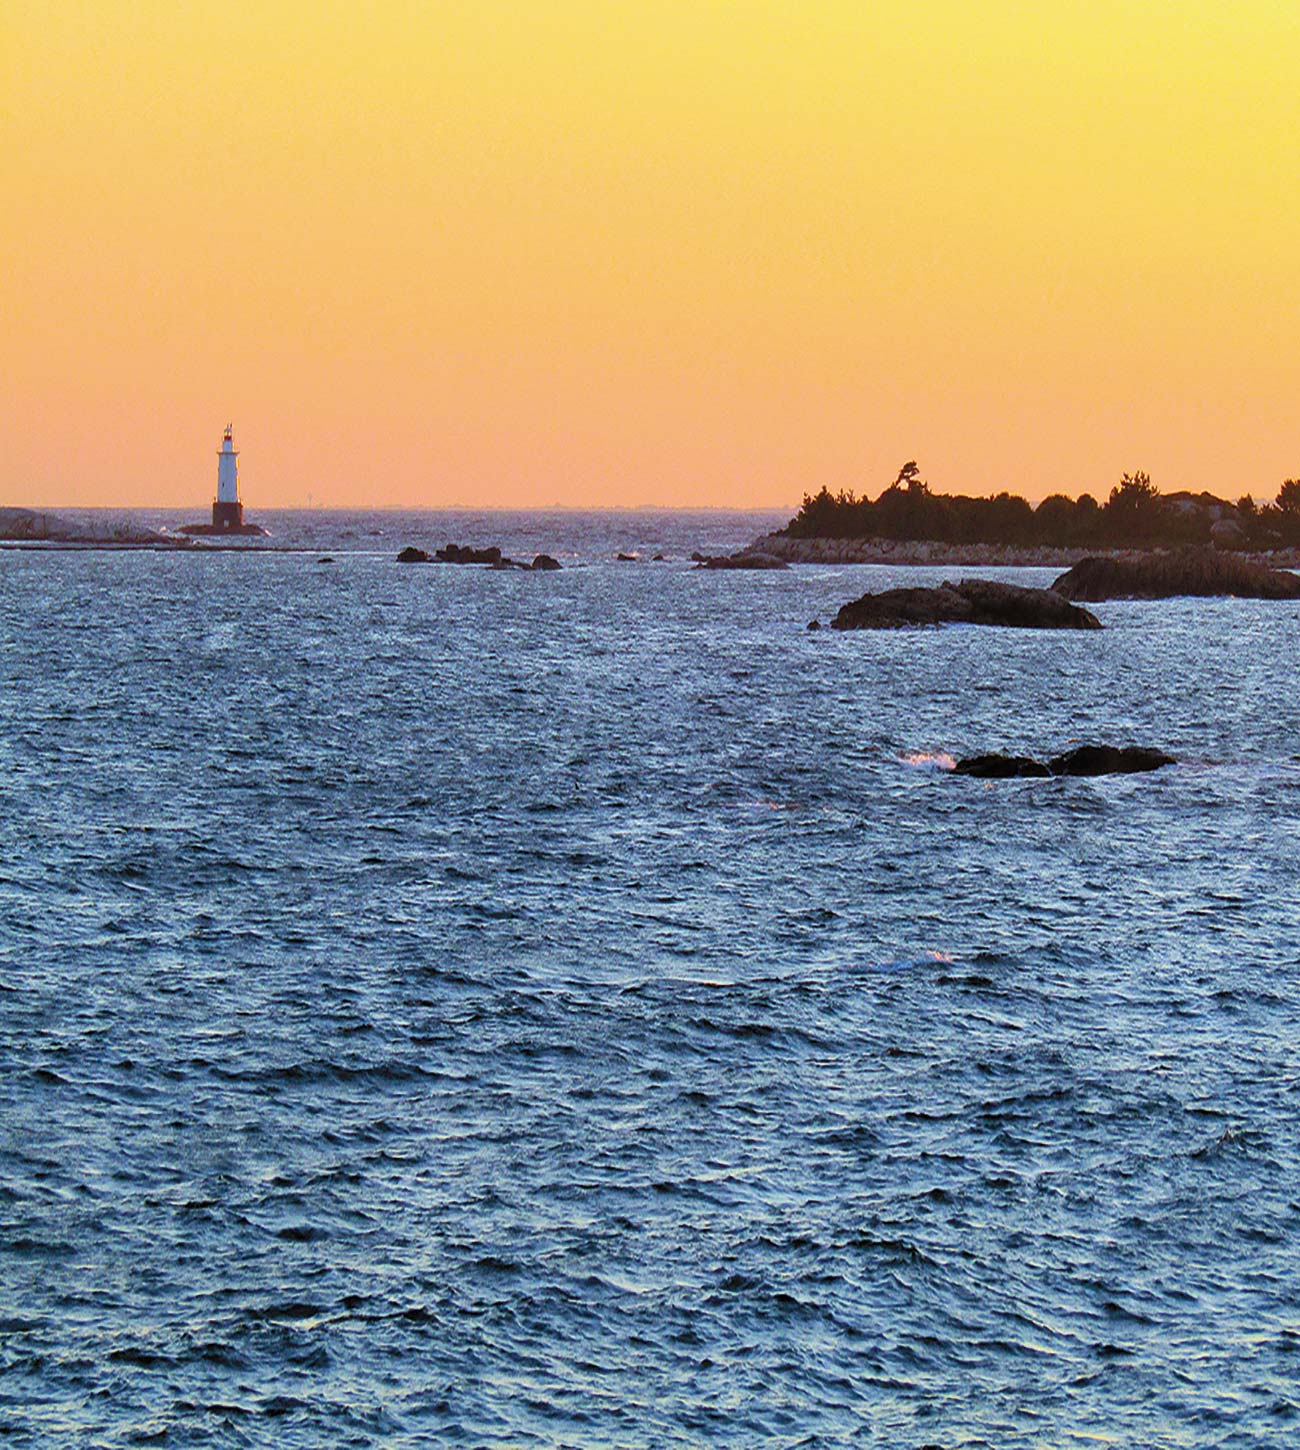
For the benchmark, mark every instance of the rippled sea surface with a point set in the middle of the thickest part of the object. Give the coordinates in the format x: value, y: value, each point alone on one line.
x: 441, y: 1006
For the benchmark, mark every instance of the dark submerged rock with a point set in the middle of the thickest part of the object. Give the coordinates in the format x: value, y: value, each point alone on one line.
x: 1202, y: 572
x: 463, y: 554
x: 1108, y: 760
x: 741, y: 561
x: 629, y: 558
x: 1000, y: 767
x: 814, y: 624
x: 972, y: 601
x: 1084, y: 760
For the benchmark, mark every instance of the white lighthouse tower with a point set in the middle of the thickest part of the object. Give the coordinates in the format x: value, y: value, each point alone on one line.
x: 227, y: 511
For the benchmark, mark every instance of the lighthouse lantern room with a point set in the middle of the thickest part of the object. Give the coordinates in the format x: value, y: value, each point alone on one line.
x: 227, y: 511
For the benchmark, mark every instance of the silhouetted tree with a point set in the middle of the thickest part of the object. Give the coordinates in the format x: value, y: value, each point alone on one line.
x: 1286, y: 513
x: 1132, y: 512
x: 1011, y: 518
x: 825, y: 515
x: 910, y: 512
x: 1059, y: 520
x: 909, y: 477
x: 1133, y: 492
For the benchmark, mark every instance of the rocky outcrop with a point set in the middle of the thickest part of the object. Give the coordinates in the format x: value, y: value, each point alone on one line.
x: 1181, y: 571
x: 28, y: 524
x: 1084, y: 760
x: 972, y: 601
x: 463, y: 554
x: 492, y: 557
x: 739, y: 561
x: 19, y: 525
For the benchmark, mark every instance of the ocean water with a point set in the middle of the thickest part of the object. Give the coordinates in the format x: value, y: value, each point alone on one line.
x: 446, y: 1007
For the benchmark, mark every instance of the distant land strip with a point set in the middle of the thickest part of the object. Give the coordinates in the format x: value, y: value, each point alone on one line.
x: 909, y: 523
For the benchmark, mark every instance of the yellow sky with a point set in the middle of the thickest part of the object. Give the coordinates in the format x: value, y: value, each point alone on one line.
x: 472, y: 251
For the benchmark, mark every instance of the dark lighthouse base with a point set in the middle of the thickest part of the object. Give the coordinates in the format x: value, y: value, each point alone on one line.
x: 227, y: 519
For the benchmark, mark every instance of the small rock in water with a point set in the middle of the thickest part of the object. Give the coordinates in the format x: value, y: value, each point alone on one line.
x: 742, y: 561
x: 544, y: 561
x: 1085, y: 760
x: 814, y: 624
x: 412, y: 555
x: 629, y: 558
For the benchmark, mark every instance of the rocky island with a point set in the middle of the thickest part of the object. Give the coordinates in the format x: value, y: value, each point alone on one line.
x: 971, y: 601
x: 492, y: 557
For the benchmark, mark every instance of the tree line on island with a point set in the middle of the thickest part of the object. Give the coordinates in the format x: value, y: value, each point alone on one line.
x: 1136, y: 515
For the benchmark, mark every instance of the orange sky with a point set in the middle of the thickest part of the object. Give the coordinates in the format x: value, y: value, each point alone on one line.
x: 680, y: 252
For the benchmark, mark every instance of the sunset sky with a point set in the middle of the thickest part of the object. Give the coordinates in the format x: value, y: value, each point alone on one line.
x: 679, y: 252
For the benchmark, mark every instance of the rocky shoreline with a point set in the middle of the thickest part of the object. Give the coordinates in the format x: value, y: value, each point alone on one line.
x: 20, y: 526
x: 930, y: 551
x: 1204, y: 572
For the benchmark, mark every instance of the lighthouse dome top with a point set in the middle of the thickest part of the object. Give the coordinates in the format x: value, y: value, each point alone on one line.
x: 228, y: 440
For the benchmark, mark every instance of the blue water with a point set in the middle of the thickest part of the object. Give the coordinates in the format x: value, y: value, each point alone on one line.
x: 450, y: 1007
